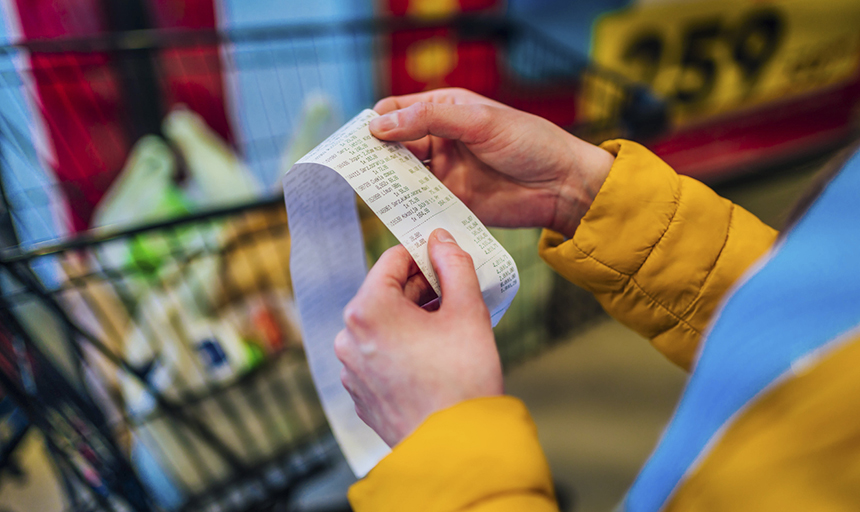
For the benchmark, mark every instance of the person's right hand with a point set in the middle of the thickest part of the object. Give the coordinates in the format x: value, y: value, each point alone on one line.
x: 513, y: 169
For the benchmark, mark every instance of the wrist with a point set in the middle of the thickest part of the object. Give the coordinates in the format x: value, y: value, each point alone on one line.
x: 587, y: 171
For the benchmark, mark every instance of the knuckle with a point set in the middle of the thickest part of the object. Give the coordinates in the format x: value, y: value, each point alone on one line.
x: 423, y: 110
x: 344, y: 378
x: 483, y: 114
x: 341, y: 347
x: 355, y: 317
x: 461, y: 258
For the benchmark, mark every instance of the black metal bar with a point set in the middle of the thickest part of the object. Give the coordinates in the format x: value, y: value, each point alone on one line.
x: 474, y: 26
x: 93, y: 237
x: 136, y: 67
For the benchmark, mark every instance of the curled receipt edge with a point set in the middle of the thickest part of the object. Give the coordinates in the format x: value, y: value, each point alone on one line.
x: 327, y: 259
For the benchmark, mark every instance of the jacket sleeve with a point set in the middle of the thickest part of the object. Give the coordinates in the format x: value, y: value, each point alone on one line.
x: 480, y: 455
x: 658, y: 250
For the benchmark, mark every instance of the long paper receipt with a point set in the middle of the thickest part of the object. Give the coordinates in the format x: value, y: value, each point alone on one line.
x: 327, y: 259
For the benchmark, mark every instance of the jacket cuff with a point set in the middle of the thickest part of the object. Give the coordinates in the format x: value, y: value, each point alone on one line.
x: 469, y: 453
x: 636, y: 204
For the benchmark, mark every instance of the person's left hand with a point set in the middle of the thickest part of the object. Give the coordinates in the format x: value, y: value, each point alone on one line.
x: 402, y: 362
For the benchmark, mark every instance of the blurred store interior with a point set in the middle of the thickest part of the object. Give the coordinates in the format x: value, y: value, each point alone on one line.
x: 150, y: 357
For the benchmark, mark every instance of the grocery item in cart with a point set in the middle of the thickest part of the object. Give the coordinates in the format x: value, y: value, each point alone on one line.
x: 218, y: 176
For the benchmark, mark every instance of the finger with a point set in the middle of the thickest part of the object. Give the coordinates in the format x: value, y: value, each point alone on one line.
x: 357, y: 392
x: 346, y: 380
x: 386, y: 279
x: 353, y: 387
x: 381, y: 293
x: 393, y: 268
x: 467, y: 123
x: 386, y: 105
x: 345, y: 349
x: 456, y: 271
x: 450, y: 95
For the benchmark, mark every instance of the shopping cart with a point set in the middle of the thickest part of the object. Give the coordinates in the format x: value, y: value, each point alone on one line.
x: 172, y: 372
x: 243, y: 436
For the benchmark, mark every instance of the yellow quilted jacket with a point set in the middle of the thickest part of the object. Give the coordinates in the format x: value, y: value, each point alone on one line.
x: 659, y: 251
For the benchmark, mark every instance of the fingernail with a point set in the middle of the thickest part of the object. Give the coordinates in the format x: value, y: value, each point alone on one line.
x: 385, y: 123
x: 444, y: 236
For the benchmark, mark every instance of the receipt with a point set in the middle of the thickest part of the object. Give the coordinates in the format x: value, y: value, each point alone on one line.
x: 327, y: 259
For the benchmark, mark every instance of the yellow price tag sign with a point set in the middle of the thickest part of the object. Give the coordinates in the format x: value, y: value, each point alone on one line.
x: 714, y: 57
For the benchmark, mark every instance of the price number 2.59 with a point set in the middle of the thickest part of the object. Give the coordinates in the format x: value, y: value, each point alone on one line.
x: 749, y: 46
x: 709, y: 57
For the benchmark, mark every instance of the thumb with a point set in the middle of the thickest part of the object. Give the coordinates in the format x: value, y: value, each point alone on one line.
x: 456, y: 271
x: 466, y: 123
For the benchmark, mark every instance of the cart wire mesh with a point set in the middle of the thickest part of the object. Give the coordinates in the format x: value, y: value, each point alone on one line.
x: 168, y: 368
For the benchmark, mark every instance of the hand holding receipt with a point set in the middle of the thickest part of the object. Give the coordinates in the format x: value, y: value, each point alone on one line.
x: 402, y: 363
x: 327, y: 260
